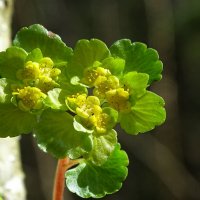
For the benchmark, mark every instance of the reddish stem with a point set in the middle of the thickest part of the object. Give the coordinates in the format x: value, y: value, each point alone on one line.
x: 59, y: 181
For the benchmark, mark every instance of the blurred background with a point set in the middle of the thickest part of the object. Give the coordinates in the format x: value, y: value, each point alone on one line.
x: 165, y: 163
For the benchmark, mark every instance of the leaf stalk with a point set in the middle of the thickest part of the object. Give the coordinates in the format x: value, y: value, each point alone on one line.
x: 59, y: 181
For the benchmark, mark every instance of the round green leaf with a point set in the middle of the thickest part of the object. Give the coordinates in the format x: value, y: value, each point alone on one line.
x: 51, y: 45
x: 55, y: 99
x: 86, y: 53
x: 14, y: 121
x: 147, y: 113
x: 78, y: 125
x: 103, y: 146
x: 35, y: 55
x: 115, y: 65
x: 89, y: 180
x: 10, y: 61
x: 138, y: 58
x: 56, y: 135
x: 136, y: 83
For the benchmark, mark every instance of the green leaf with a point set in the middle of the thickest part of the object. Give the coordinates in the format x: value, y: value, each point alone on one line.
x: 10, y: 61
x: 78, y: 125
x: 14, y: 121
x: 89, y: 180
x: 103, y: 146
x: 35, y: 55
x: 55, y: 100
x: 56, y: 135
x: 51, y: 45
x: 86, y: 53
x: 115, y: 65
x: 136, y: 83
x: 138, y: 58
x: 57, y: 97
x: 147, y: 113
x: 5, y: 92
x: 69, y: 89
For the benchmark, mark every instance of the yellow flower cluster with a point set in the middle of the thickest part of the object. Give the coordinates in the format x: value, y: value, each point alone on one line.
x: 37, y: 78
x: 90, y: 111
x: 107, y: 86
x: 92, y: 74
x: 41, y: 75
x: 30, y: 98
x: 119, y: 99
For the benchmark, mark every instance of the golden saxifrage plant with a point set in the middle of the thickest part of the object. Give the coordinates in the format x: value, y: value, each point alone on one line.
x: 72, y: 99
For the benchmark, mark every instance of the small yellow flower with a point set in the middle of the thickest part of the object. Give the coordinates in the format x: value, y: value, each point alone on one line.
x: 119, y: 99
x: 91, y: 75
x: 46, y: 62
x: 102, y: 122
x: 41, y: 75
x: 30, y: 98
x: 103, y: 84
x: 46, y: 83
x: 31, y: 71
x: 54, y: 73
x: 90, y: 107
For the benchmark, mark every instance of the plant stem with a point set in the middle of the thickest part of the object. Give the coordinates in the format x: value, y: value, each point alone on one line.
x: 59, y: 183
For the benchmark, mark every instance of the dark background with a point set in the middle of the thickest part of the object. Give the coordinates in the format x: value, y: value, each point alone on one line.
x: 165, y: 163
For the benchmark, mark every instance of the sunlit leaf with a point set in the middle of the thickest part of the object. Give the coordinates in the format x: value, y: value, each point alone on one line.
x: 51, y: 45
x: 86, y: 53
x: 89, y: 180
x: 147, y: 113
x: 56, y: 135
x: 103, y: 146
x: 14, y: 121
x: 11, y: 60
x: 138, y: 58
